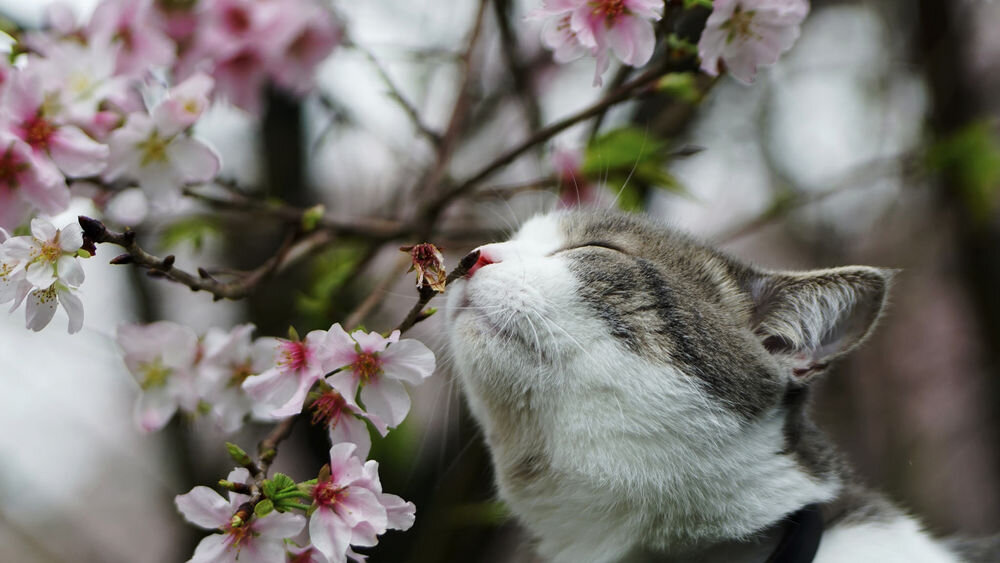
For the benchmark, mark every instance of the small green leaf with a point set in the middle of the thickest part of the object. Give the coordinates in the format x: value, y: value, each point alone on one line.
x: 312, y: 216
x: 238, y: 455
x: 283, y: 482
x: 83, y: 253
x: 680, y: 85
x: 971, y: 159
x: 688, y: 4
x: 263, y: 508
x: 293, y: 334
x: 269, y: 488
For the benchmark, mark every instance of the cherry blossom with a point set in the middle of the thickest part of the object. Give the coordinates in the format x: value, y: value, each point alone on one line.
x: 601, y: 27
x: 22, y: 180
x: 80, y: 78
x: 574, y: 187
x: 229, y: 358
x: 132, y: 25
x: 54, y: 143
x: 160, y: 157
x: 429, y: 265
x: 161, y: 356
x: 309, y: 39
x: 745, y: 34
x: 345, y: 420
x: 349, y: 508
x: 45, y: 265
x: 378, y: 366
x: 244, y: 537
x: 283, y: 387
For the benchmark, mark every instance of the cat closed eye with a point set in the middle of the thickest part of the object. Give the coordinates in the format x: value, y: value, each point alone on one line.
x: 592, y: 244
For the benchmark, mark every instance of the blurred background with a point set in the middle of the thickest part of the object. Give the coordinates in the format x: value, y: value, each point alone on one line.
x: 874, y: 141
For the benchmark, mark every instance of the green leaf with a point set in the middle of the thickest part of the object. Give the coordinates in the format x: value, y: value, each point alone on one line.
x: 312, y: 216
x: 971, y: 159
x: 283, y: 482
x: 491, y: 513
x: 263, y: 508
x: 238, y: 455
x: 194, y: 230
x: 330, y: 271
x: 688, y: 4
x: 269, y: 489
x: 680, y: 85
x: 619, y: 150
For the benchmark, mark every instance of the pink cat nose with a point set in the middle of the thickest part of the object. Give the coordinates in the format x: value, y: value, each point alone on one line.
x: 486, y: 257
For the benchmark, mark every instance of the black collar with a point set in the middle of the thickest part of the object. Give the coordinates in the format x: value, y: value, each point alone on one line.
x: 803, y: 531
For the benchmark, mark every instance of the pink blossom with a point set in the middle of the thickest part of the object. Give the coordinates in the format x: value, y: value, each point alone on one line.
x: 283, y: 387
x: 184, y: 104
x: 600, y: 27
x: 160, y: 158
x: 259, y: 540
x: 349, y: 505
x: 379, y: 366
x: 311, y: 37
x: 745, y: 34
x: 80, y: 78
x: 345, y: 420
x: 131, y: 24
x: 21, y: 177
x: 229, y: 358
x: 161, y: 356
x: 53, y: 142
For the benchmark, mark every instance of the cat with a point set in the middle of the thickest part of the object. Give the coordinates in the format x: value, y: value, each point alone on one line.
x: 643, y: 397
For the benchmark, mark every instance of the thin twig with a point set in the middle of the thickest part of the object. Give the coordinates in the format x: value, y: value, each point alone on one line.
x: 397, y: 95
x: 417, y: 313
x: 164, y: 267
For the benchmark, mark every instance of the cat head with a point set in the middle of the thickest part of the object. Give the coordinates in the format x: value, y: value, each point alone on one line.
x: 603, y: 348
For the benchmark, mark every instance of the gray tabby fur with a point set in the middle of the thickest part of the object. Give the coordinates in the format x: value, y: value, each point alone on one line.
x: 645, y: 396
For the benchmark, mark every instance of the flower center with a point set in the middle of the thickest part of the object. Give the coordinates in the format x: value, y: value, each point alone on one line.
x: 327, y: 408
x: 240, y: 372
x: 609, y: 9
x: 11, y: 167
x: 328, y: 493
x: 294, y: 355
x: 37, y: 132
x: 154, y: 374
x: 237, y: 20
x: 154, y: 148
x: 236, y: 534
x: 367, y: 366
x: 740, y: 25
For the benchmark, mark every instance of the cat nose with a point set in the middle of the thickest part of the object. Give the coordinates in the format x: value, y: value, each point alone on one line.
x: 486, y: 257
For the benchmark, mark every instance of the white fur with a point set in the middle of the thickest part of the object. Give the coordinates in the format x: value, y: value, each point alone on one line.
x: 899, y: 541
x: 545, y: 379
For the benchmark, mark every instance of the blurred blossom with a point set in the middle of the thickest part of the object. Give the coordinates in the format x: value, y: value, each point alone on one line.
x: 228, y: 359
x: 574, y: 188
x: 745, y: 34
x: 378, y: 366
x: 260, y: 540
x: 161, y: 356
x: 601, y: 27
x: 22, y: 180
x: 132, y: 24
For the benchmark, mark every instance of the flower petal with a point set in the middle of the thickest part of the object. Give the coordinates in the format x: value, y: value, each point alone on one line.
x: 41, y: 307
x: 204, y: 507
x: 280, y: 525
x: 76, y: 154
x: 408, y: 360
x: 74, y: 309
x: 386, y: 398
x: 330, y: 535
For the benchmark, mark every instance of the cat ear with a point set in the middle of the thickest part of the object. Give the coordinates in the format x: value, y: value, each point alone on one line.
x: 809, y: 319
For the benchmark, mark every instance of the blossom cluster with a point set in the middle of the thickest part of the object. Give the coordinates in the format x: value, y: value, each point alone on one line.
x: 44, y: 269
x: 86, y: 100
x: 739, y: 36
x: 231, y: 375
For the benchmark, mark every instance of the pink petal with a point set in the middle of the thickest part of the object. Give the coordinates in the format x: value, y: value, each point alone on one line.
x: 350, y: 429
x: 280, y: 525
x: 204, y: 507
x: 372, y: 342
x: 195, y: 161
x: 339, y: 347
x: 633, y: 40
x: 345, y: 382
x: 213, y: 549
x: 76, y: 154
x: 409, y: 361
x: 154, y: 409
x: 386, y: 398
x: 401, y: 514
x: 345, y: 467
x: 74, y: 310
x: 361, y: 505
x: 273, y: 387
x: 40, y: 309
x: 294, y: 404
x: 330, y: 535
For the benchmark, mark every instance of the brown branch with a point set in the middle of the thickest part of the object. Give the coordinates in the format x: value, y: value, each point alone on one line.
x: 164, y: 267
x: 436, y: 205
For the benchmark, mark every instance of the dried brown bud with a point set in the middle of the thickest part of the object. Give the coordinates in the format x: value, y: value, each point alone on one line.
x: 429, y: 264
